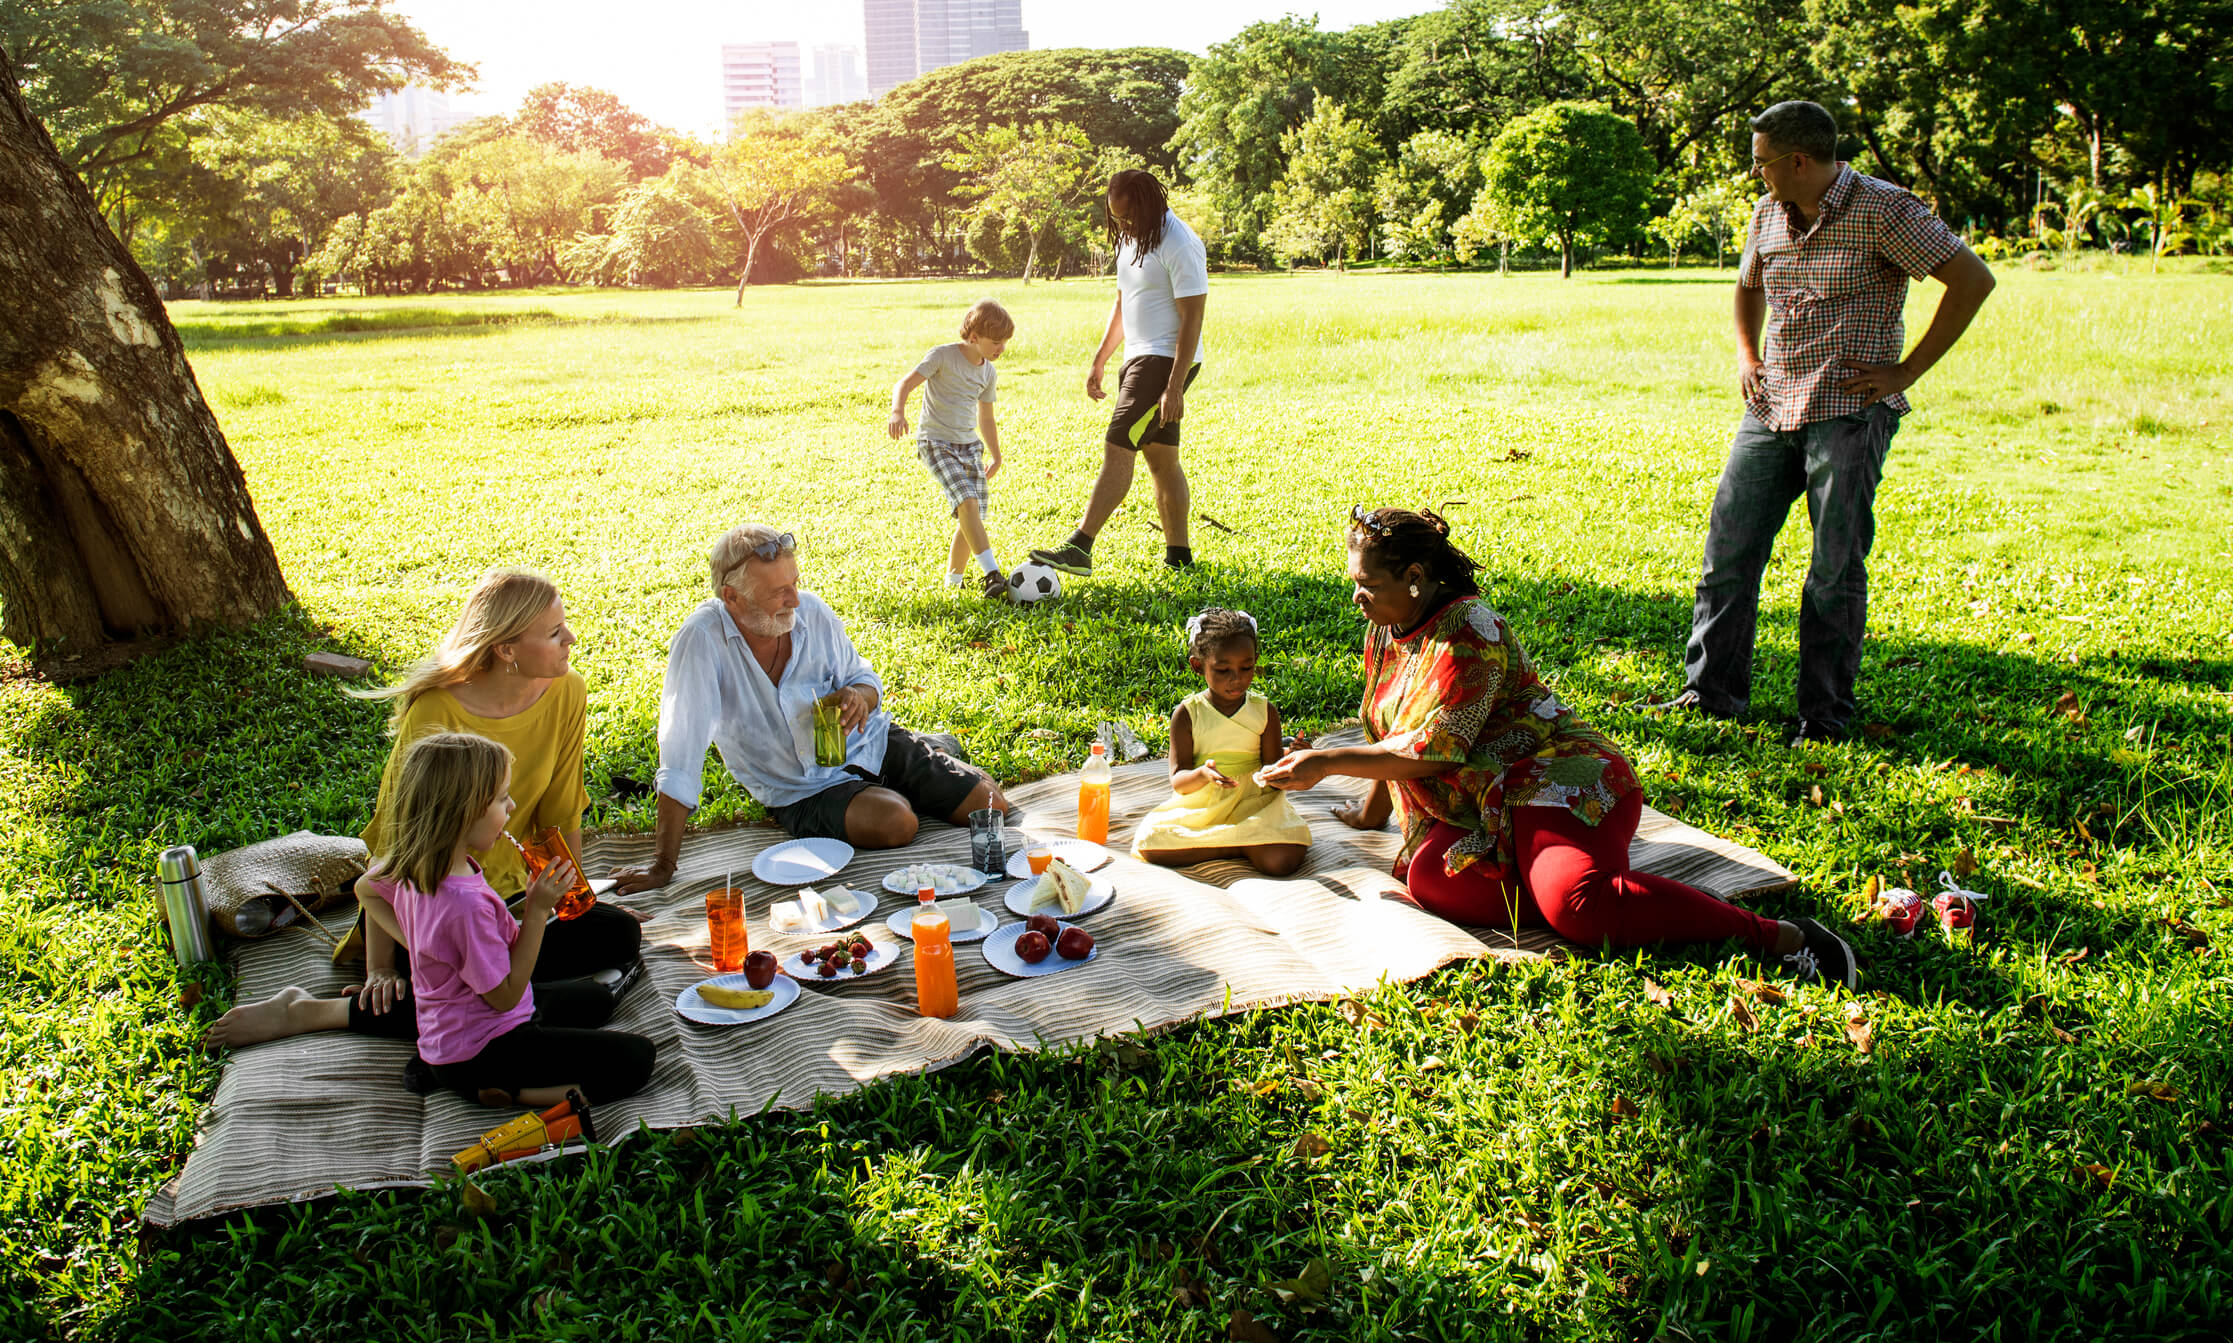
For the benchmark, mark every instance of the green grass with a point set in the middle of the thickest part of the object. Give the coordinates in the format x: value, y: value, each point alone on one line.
x: 2051, y: 647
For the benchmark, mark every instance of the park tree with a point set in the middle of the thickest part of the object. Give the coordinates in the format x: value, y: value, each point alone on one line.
x: 664, y: 230
x: 1419, y: 196
x: 1323, y: 203
x: 1034, y: 181
x: 1570, y: 171
x: 577, y: 119
x: 122, y: 511
x: 766, y: 179
x: 536, y: 197
x: 286, y: 184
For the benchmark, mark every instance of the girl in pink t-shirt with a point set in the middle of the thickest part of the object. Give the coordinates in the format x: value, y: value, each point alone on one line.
x: 479, y: 1028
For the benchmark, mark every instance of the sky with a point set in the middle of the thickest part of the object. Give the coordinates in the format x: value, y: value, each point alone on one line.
x: 665, y: 60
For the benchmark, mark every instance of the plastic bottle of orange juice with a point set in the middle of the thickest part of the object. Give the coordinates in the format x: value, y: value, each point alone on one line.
x: 1093, y: 797
x: 936, y: 993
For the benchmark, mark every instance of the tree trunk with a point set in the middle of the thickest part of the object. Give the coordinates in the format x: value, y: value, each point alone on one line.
x: 122, y: 511
x: 1031, y: 260
x: 1565, y: 257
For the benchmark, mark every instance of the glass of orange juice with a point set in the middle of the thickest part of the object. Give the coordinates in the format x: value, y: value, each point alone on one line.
x: 1038, y: 859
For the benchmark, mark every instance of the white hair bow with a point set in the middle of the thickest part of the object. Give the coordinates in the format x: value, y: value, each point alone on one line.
x: 1194, y: 623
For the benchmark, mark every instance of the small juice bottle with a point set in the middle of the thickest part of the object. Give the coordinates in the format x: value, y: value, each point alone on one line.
x: 1093, y: 797
x: 936, y: 993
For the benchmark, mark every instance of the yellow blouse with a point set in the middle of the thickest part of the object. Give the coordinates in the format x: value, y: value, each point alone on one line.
x: 546, y: 744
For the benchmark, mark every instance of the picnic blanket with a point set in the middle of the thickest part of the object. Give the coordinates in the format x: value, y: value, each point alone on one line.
x: 300, y: 1118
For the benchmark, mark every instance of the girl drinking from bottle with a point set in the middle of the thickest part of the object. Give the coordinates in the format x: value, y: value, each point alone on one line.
x: 482, y: 1029
x: 1220, y: 736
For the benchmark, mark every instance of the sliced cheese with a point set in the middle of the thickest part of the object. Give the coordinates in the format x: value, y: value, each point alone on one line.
x: 786, y: 915
x: 815, y: 908
x: 1061, y: 886
x: 961, y: 915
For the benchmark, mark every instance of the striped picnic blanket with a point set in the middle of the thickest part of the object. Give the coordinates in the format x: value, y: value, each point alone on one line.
x: 296, y: 1119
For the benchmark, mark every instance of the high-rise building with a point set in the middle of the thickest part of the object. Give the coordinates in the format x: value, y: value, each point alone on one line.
x: 413, y: 117
x: 836, y: 77
x: 907, y: 38
x: 759, y: 74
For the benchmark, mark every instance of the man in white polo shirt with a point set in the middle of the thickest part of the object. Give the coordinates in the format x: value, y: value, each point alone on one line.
x: 1163, y: 283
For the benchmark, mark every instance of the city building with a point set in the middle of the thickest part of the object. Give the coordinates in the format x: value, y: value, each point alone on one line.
x: 907, y: 38
x: 759, y: 74
x: 836, y: 77
x: 412, y: 117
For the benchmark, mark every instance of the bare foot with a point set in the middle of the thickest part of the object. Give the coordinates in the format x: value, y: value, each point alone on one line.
x: 288, y: 1012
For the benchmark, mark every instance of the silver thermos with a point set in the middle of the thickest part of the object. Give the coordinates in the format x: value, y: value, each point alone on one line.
x: 185, y: 904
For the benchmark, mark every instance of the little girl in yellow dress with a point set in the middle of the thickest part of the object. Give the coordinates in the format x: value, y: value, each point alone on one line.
x: 1220, y: 736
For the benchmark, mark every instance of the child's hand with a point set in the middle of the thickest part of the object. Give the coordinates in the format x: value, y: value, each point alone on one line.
x: 992, y: 464
x: 549, y: 884
x: 1212, y: 774
x: 897, y: 425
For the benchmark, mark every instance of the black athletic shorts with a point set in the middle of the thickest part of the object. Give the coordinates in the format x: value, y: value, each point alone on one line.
x: 1137, y: 421
x: 934, y: 784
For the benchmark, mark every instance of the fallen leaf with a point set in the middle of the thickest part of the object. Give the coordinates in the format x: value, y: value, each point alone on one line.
x: 1313, y: 1285
x: 2101, y: 1175
x: 1816, y: 768
x: 1871, y: 890
x: 1965, y: 864
x: 1354, y: 1013
x: 1766, y: 993
x: 2153, y: 1090
x: 190, y: 995
x: 1265, y: 1087
x: 1876, y: 731
x: 1663, y: 1066
x: 1244, y: 1328
x: 2062, y: 1036
x: 1704, y: 1266
x: 1468, y: 1022
x: 1742, y: 1014
x: 1655, y: 993
x: 2076, y: 956
x: 1624, y: 1108
x: 1860, y: 1032
x: 478, y: 1201
x: 1430, y: 1064
x: 1814, y: 795
x: 1310, y: 1090
x: 1310, y: 1145
x: 1187, y: 1290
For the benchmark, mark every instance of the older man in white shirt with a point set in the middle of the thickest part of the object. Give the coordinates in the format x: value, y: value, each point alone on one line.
x: 743, y: 675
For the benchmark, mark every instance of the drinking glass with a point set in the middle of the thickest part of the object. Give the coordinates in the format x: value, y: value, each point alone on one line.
x: 829, y: 731
x: 547, y: 847
x: 725, y: 929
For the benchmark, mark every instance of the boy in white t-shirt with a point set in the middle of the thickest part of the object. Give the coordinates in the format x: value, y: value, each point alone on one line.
x: 958, y: 430
x: 1162, y: 286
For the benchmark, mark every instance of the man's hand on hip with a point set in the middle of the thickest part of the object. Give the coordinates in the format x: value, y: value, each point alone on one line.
x: 1877, y: 381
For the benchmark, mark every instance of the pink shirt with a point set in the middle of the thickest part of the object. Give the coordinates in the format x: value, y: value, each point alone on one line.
x: 460, y: 940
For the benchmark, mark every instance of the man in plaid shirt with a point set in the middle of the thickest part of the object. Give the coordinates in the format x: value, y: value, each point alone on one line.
x: 1827, y: 261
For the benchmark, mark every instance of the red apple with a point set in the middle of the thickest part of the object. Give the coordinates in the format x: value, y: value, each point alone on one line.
x: 759, y: 969
x: 1032, y: 946
x: 1045, y: 926
x: 1075, y: 944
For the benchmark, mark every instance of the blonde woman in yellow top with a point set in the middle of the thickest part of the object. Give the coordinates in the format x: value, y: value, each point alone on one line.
x: 501, y: 672
x: 1220, y: 736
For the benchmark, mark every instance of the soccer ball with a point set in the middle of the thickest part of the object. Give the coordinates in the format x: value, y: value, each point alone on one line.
x: 1033, y: 582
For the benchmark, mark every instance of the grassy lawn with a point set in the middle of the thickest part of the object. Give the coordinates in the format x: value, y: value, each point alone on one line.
x: 2032, y: 1143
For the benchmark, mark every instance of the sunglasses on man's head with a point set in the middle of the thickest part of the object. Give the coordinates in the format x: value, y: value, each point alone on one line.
x: 768, y: 550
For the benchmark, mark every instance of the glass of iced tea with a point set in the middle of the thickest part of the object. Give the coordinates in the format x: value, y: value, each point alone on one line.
x: 725, y: 929
x: 547, y: 847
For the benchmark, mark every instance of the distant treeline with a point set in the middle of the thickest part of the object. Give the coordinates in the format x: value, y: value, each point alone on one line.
x: 223, y: 147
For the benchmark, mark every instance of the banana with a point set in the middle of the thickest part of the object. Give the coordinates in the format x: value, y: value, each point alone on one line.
x: 742, y: 999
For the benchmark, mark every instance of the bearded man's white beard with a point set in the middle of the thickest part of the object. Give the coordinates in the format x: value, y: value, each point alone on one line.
x: 761, y: 625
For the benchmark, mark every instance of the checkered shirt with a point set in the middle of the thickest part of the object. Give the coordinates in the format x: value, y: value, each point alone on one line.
x: 1835, y: 292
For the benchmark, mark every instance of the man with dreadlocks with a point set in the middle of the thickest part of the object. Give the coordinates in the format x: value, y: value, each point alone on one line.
x: 1162, y: 286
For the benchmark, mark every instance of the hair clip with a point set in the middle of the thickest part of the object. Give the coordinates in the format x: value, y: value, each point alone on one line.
x: 1194, y: 622
x: 1369, y: 521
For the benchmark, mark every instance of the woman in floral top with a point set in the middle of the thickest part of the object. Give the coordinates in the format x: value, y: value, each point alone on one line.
x: 1512, y: 809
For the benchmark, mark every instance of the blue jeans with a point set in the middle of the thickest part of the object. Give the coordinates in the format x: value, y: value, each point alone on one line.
x: 1836, y: 464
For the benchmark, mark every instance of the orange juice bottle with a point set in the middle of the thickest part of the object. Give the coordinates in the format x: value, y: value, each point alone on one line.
x: 936, y: 993
x: 1093, y: 797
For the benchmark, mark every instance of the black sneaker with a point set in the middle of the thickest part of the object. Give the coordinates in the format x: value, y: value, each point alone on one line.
x: 1814, y: 729
x: 1069, y: 557
x: 1823, y: 957
x: 995, y: 587
x: 1690, y: 701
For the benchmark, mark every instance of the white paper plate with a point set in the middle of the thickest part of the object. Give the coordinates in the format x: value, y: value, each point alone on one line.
x: 802, y: 862
x: 693, y: 1008
x: 898, y: 884
x: 880, y: 955
x: 1082, y: 854
x: 1000, y: 954
x: 864, y: 904
x: 903, y: 923
x: 600, y: 887
x: 1099, y: 892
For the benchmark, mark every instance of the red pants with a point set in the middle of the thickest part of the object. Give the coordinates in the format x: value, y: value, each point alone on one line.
x: 1575, y: 877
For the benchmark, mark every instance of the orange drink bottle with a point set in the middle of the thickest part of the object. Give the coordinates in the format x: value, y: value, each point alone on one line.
x: 1093, y: 797
x: 725, y: 929
x: 547, y: 847
x: 936, y: 993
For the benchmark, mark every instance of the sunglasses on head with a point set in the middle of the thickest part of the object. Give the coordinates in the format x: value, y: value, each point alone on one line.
x: 1370, y: 521
x: 768, y: 550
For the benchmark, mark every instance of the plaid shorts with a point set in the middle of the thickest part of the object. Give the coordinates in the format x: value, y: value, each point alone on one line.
x: 959, y: 469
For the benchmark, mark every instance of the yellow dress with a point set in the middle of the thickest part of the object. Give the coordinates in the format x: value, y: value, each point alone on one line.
x: 1212, y: 817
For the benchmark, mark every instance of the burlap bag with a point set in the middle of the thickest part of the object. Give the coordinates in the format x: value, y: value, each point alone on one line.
x: 289, y: 879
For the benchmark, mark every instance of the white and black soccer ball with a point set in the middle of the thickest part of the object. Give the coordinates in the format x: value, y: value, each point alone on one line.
x: 1034, y: 582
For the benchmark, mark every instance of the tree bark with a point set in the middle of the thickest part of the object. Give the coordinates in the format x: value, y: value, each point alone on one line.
x: 122, y: 511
